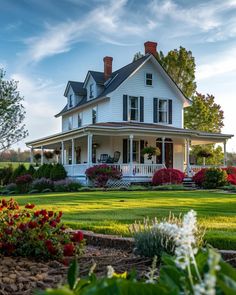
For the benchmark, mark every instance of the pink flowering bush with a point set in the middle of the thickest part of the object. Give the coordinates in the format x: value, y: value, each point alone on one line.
x: 23, y: 182
x: 167, y: 176
x: 40, y: 233
x: 100, y: 174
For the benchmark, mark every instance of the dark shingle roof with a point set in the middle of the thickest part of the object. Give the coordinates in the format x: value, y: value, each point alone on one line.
x: 98, y: 77
x: 77, y: 87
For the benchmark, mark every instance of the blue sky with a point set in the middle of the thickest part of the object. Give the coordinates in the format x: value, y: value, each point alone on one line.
x: 43, y: 44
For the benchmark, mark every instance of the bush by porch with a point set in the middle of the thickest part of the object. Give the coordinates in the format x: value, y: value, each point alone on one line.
x: 112, y: 212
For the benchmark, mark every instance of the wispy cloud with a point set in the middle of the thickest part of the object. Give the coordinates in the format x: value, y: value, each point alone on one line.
x: 106, y: 22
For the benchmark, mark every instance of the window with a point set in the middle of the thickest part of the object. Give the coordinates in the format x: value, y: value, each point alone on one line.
x: 136, y: 151
x: 70, y: 101
x: 148, y: 79
x: 94, y: 115
x: 79, y: 119
x: 91, y: 91
x: 133, y: 108
x: 163, y: 110
x: 70, y: 123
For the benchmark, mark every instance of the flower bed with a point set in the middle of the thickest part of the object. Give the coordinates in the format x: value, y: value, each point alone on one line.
x: 29, y: 233
x: 167, y: 176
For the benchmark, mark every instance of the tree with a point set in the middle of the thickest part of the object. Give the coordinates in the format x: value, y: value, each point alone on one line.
x: 204, y: 114
x: 12, y: 113
x: 180, y: 65
x: 137, y: 56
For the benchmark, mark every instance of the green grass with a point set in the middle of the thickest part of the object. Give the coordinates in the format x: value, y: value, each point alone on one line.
x: 14, y: 164
x: 112, y: 212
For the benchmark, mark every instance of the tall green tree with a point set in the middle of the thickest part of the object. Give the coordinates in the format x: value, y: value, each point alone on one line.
x: 180, y: 65
x: 12, y: 113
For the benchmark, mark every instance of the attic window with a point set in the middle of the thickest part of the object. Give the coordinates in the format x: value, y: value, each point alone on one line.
x: 91, y: 91
x: 148, y: 79
x: 70, y: 101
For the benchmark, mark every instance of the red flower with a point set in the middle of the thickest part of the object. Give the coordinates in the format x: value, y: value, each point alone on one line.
x: 22, y: 227
x: 51, y: 249
x: 43, y: 212
x: 8, y: 231
x: 69, y: 249
x: 29, y: 206
x: 60, y: 214
x: 77, y: 237
x: 53, y: 223
x: 16, y: 216
x: 50, y: 213
x: 4, y: 203
x: 9, y: 248
x: 36, y: 213
x: 32, y: 224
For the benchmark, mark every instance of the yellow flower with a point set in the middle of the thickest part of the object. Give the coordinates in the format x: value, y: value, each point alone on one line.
x: 120, y: 275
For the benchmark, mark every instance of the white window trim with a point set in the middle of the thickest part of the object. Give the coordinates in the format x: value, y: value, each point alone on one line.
x: 91, y: 87
x: 129, y: 113
x: 145, y: 79
x: 167, y: 111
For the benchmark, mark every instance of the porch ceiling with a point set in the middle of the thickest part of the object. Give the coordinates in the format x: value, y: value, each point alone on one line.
x: 127, y: 128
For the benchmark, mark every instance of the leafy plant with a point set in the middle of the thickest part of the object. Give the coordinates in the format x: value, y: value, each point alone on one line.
x: 48, y: 155
x: 100, y: 174
x: 20, y: 170
x: 151, y: 151
x: 31, y: 170
x: 6, y: 175
x: 44, y: 171
x: 58, y: 172
x: 66, y: 185
x: 40, y: 234
x: 214, y: 177
x: 42, y: 184
x: 23, y: 182
x: 37, y: 157
x: 204, y: 153
x: 167, y: 176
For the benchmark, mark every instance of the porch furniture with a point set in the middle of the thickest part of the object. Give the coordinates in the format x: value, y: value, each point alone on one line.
x: 114, y: 159
x: 103, y: 158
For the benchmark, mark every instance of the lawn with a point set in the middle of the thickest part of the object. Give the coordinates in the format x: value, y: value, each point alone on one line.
x: 14, y: 164
x: 112, y: 212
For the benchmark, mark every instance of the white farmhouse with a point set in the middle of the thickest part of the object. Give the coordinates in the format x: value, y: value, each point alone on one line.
x: 113, y: 115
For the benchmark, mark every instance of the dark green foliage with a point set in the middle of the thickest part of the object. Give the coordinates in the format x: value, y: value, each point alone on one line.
x: 6, y: 175
x: 42, y: 184
x: 19, y: 171
x: 12, y: 113
x: 44, y: 171
x: 214, y: 178
x: 31, y: 170
x: 58, y: 172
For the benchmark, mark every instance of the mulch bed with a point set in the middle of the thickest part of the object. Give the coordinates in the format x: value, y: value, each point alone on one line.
x: 20, y: 276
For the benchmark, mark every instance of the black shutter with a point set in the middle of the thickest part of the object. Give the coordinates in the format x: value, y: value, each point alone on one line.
x: 141, y: 108
x: 155, y: 111
x: 170, y: 111
x: 141, y: 154
x: 125, y: 108
x: 125, y: 151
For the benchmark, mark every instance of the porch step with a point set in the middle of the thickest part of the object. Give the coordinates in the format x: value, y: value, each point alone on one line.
x: 189, y: 183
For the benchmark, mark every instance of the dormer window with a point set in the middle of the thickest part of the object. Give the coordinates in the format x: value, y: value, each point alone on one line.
x: 148, y: 79
x: 70, y: 101
x: 91, y: 94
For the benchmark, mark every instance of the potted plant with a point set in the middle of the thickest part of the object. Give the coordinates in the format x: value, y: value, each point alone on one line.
x: 205, y: 154
x: 151, y: 151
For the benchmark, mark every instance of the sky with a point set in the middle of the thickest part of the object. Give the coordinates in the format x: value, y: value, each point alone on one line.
x: 43, y: 44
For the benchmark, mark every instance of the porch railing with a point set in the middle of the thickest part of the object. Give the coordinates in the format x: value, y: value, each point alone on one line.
x: 126, y: 169
x: 195, y: 168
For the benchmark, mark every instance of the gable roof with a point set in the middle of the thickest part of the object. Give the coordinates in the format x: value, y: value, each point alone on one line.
x: 116, y: 79
x: 77, y: 87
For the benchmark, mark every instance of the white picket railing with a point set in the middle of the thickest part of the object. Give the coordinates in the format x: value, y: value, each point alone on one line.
x: 126, y: 169
x: 195, y: 168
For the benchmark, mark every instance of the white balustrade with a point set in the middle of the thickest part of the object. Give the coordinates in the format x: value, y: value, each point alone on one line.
x: 196, y: 168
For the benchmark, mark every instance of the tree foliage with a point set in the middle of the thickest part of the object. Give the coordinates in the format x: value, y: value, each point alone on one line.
x: 204, y: 114
x: 12, y: 113
x: 180, y: 65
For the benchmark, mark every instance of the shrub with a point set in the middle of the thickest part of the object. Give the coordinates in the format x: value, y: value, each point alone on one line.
x: 23, y: 183
x: 31, y: 170
x: 214, y: 177
x: 58, y: 172
x: 167, y: 176
x: 20, y: 170
x: 199, y: 177
x: 44, y: 171
x: 100, y: 174
x: 6, y: 174
x: 39, y: 234
x: 11, y: 187
x: 151, y: 241
x: 66, y: 185
x: 42, y: 184
x: 231, y: 178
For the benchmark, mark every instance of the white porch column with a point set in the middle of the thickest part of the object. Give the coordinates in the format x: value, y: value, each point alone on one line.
x: 42, y: 150
x: 72, y: 151
x: 225, y: 153
x: 31, y: 155
x: 62, y: 152
x: 89, y: 148
x: 163, y: 160
x: 131, y: 137
x: 188, y: 158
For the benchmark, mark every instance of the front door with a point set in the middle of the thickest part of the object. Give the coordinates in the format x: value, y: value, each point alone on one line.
x: 168, y: 152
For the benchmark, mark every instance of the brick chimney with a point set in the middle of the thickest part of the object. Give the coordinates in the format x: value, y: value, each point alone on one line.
x: 150, y: 47
x: 107, y: 67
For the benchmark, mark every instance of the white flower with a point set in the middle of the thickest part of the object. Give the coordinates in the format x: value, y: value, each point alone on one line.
x: 110, y: 271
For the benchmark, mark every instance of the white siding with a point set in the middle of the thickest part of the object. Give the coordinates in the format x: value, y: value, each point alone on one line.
x: 135, y: 86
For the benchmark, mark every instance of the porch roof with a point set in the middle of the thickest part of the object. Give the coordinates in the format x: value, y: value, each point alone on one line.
x: 126, y: 128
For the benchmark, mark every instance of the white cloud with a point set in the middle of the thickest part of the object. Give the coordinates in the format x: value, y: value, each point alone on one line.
x: 42, y: 100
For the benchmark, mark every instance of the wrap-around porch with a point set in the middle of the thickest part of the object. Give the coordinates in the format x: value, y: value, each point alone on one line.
x: 83, y: 148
